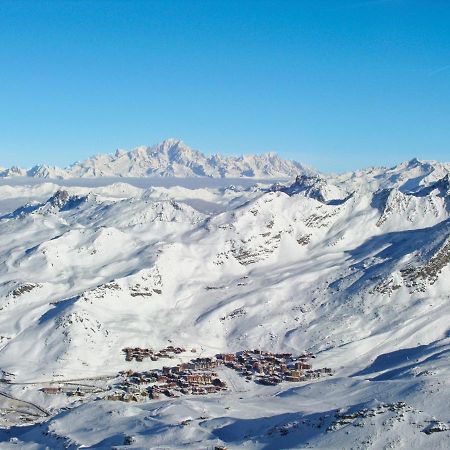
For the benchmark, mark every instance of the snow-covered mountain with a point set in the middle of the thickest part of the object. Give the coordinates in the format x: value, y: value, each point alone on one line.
x: 354, y: 268
x: 171, y: 158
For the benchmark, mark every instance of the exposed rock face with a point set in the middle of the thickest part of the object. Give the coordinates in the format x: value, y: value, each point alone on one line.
x: 59, y: 199
x: 23, y: 289
x: 428, y: 273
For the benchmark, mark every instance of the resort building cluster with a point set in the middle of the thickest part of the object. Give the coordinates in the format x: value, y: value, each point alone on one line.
x: 139, y: 354
x: 272, y: 368
x: 200, y: 376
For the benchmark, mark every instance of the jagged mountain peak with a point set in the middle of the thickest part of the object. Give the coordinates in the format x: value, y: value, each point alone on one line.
x: 62, y: 200
x: 59, y: 198
x: 169, y: 146
x: 415, y: 162
x: 314, y: 186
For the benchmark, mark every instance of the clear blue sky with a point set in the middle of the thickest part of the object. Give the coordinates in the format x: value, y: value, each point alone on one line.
x: 336, y: 84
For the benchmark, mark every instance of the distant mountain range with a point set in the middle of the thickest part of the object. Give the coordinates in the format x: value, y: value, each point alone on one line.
x: 171, y: 158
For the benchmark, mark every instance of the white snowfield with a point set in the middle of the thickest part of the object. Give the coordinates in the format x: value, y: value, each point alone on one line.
x: 354, y: 268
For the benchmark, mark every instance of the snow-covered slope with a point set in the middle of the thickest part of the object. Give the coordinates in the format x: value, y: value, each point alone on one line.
x: 354, y: 268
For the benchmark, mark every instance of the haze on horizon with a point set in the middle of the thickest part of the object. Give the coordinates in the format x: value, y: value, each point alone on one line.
x: 336, y: 86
